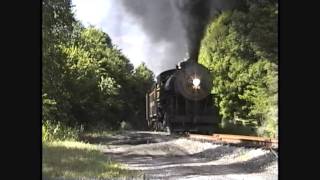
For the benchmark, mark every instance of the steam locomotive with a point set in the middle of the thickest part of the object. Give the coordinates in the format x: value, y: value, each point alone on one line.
x: 180, y: 100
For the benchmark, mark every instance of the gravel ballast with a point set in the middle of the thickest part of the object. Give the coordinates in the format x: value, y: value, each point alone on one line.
x: 159, y: 156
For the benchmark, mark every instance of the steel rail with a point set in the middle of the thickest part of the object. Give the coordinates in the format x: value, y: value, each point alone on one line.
x: 237, y: 139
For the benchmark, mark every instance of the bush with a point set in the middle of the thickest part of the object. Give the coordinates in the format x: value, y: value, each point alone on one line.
x: 58, y: 132
x: 269, y: 127
x: 230, y: 128
x: 126, y: 126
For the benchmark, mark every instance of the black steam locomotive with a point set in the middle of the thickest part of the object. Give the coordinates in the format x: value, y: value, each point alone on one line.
x: 180, y: 100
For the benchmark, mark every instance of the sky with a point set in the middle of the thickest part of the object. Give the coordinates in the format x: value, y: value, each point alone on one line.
x: 125, y: 32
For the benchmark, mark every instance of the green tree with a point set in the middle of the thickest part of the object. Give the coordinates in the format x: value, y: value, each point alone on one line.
x: 86, y: 79
x: 97, y: 76
x: 57, y: 27
x: 240, y: 49
x: 143, y: 79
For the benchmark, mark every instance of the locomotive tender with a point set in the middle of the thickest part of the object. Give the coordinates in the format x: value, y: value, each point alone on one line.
x: 180, y: 100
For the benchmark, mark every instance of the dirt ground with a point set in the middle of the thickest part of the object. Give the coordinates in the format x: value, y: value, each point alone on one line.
x: 160, y: 156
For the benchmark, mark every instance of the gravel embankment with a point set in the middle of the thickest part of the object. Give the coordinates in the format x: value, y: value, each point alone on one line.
x: 160, y: 156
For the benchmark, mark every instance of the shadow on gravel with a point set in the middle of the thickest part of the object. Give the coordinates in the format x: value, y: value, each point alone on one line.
x: 216, y: 153
x: 98, y: 140
x: 161, y: 160
x: 184, y: 165
x: 254, y: 165
x: 128, y: 138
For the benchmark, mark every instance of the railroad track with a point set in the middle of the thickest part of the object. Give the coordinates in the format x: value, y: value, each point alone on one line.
x: 251, y: 141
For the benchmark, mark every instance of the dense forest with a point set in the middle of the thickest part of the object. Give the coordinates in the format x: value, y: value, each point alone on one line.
x: 88, y: 83
x: 240, y: 48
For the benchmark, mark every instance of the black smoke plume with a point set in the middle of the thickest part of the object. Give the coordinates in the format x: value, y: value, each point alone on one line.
x: 194, y: 16
x: 175, y: 25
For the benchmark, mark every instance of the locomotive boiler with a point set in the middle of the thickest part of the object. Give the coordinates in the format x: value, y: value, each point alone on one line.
x: 180, y: 100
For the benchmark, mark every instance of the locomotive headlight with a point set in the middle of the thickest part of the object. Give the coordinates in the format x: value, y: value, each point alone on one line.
x: 196, y: 83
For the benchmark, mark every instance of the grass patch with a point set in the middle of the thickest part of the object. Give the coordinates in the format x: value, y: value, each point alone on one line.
x: 78, y: 160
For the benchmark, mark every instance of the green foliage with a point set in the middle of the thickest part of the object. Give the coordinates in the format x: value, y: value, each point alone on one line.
x: 57, y: 29
x: 237, y: 129
x: 49, y: 108
x: 59, y: 132
x: 86, y: 79
x: 141, y: 82
x: 240, y: 49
